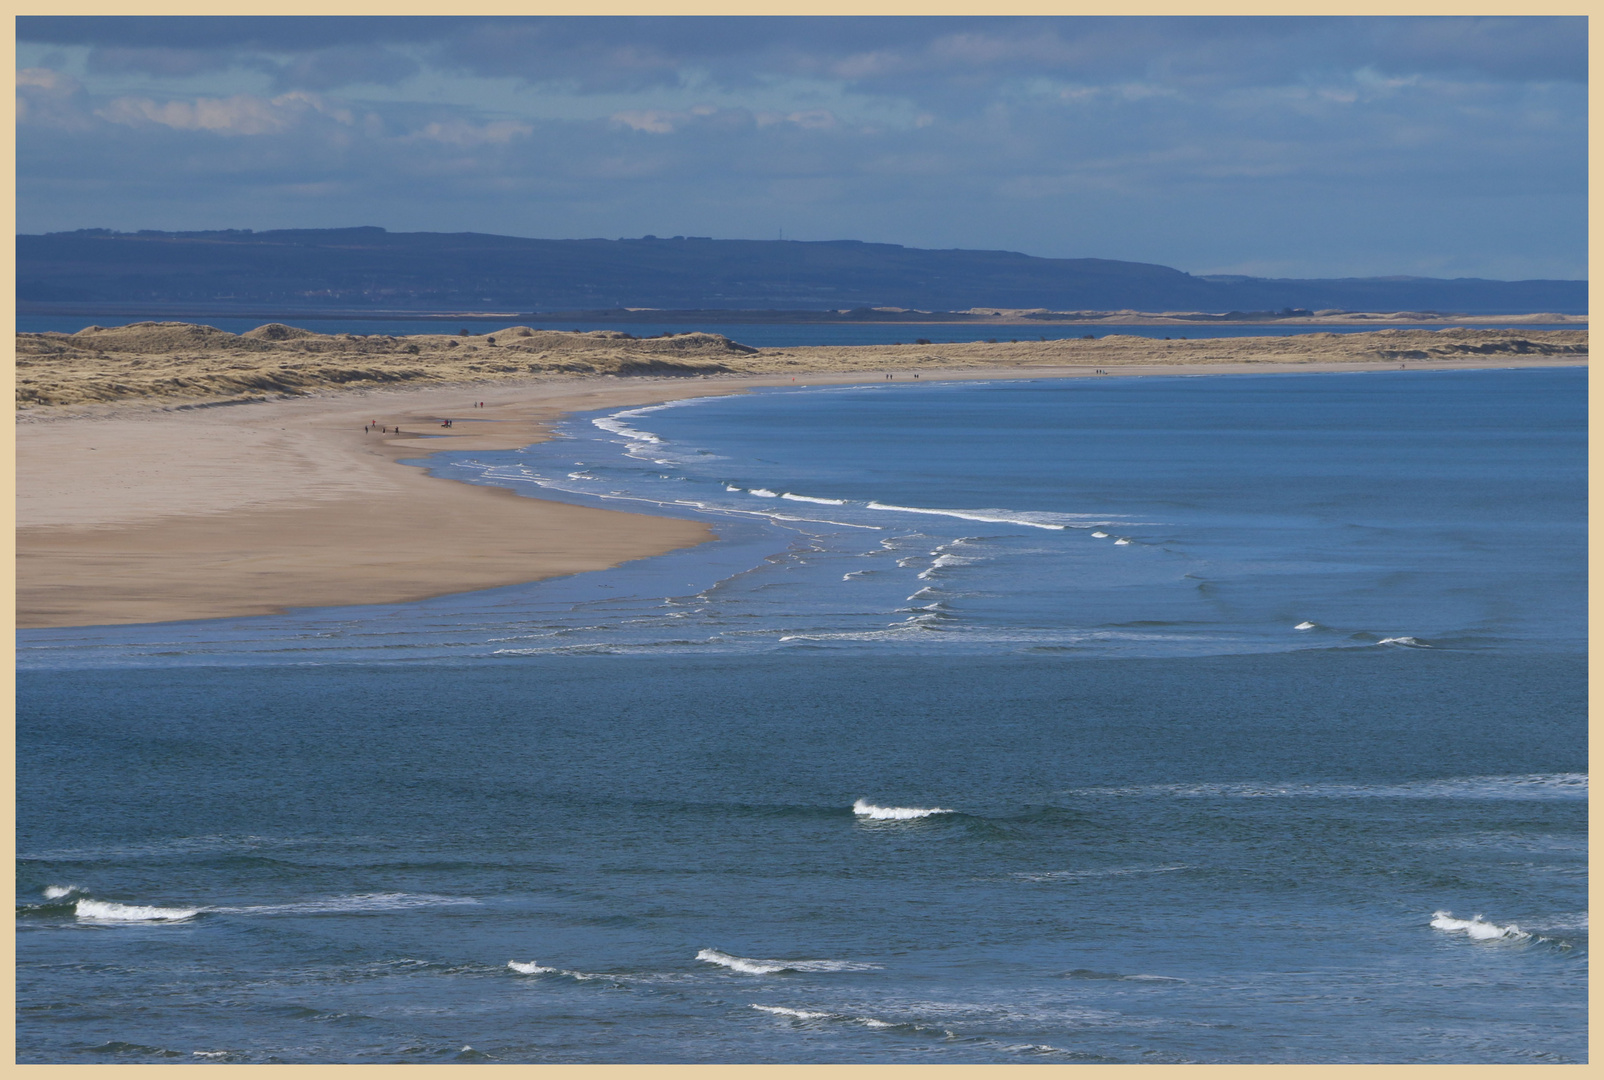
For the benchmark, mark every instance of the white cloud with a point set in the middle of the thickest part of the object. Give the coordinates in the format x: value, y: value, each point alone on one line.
x: 464, y: 133
x: 47, y: 79
x: 655, y: 121
x: 242, y: 114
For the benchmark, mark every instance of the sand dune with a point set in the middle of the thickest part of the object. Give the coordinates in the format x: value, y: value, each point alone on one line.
x: 189, y: 362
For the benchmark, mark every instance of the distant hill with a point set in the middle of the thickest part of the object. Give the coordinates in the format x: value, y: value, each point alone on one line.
x: 369, y: 268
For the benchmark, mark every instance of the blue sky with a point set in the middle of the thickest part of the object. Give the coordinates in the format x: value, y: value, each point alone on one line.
x: 1277, y: 147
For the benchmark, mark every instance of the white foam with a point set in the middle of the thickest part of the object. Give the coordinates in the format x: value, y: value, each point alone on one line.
x: 56, y: 892
x: 1411, y: 642
x: 1100, y: 535
x: 811, y: 499
x: 209, y: 1053
x: 996, y: 517
x: 864, y: 808
x: 1306, y: 626
x: 1121, y: 541
x: 1475, y: 929
x: 611, y: 424
x: 796, y: 1014
x: 803, y: 1014
x: 749, y: 966
x: 763, y: 493
x: 357, y: 903
x: 942, y: 563
x: 107, y: 911
x: 728, y: 487
x: 531, y: 968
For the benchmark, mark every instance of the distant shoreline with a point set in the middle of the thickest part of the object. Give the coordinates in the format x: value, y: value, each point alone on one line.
x: 853, y: 317
x: 191, y: 362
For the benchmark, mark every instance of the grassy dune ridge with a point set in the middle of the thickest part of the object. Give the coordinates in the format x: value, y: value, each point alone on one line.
x: 190, y: 362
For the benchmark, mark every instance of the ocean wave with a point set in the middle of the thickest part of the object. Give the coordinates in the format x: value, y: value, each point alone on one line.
x: 1475, y: 929
x: 810, y: 499
x: 338, y: 905
x: 611, y: 425
x: 111, y: 911
x: 795, y: 1014
x: 842, y: 1018
x: 1121, y: 542
x: 56, y: 892
x: 763, y: 493
x: 944, y: 562
x: 1088, y: 973
x: 894, y: 632
x: 108, y: 911
x: 1034, y: 519
x: 748, y: 966
x: 534, y: 968
x: 864, y: 808
x: 1413, y: 643
x: 1306, y: 625
x: 1524, y: 787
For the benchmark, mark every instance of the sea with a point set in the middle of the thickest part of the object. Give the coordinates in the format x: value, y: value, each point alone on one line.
x: 1219, y: 719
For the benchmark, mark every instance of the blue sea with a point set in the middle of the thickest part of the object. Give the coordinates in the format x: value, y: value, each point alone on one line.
x: 1167, y: 719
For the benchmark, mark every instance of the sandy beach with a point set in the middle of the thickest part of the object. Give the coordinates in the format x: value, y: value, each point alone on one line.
x: 208, y: 479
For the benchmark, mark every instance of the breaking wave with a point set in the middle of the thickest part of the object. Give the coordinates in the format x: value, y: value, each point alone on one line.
x: 1475, y: 929
x: 1034, y: 519
x: 943, y: 562
x: 107, y: 911
x: 864, y: 808
x: 748, y: 966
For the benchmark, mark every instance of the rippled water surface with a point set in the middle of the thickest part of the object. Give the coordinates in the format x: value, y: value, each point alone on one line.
x: 1205, y: 719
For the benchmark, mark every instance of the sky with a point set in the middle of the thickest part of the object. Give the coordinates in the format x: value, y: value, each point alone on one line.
x: 1278, y: 147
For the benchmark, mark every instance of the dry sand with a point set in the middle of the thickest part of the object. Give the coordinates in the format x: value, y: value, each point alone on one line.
x: 142, y: 500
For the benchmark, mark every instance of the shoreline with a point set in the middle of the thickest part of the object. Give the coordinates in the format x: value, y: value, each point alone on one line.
x: 148, y: 512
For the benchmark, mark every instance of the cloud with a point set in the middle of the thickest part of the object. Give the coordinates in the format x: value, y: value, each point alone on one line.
x: 655, y: 121
x: 917, y: 54
x: 462, y: 132
x: 1198, y: 142
x: 47, y: 97
x: 242, y: 114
